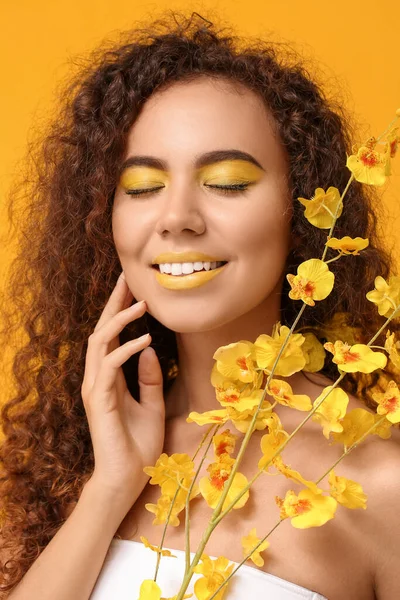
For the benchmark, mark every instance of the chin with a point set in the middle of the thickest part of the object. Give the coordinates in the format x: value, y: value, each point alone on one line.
x: 191, y: 321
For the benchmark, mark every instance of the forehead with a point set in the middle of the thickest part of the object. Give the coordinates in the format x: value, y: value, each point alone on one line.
x: 188, y: 118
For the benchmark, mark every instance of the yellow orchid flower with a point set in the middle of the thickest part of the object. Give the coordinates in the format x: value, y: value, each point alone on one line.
x: 210, y: 416
x: 348, y: 245
x: 355, y: 424
x: 168, y: 488
x: 245, y: 402
x: 306, y: 509
x: 251, y: 540
x: 314, y: 353
x: 224, y: 442
x: 176, y: 467
x: 393, y: 347
x: 149, y: 590
x: 212, y: 486
x: 269, y: 444
x: 232, y: 393
x: 242, y: 420
x: 215, y: 572
x: 266, y: 349
x: 386, y: 294
x: 283, y: 394
x: 235, y: 361
x: 314, y: 281
x: 389, y: 402
x: 384, y: 429
x: 228, y: 395
x: 367, y: 165
x: 161, y: 510
x: 290, y: 473
x: 347, y: 492
x: 222, y: 383
x: 332, y: 410
x: 320, y: 210
x: 355, y: 359
x: 157, y: 549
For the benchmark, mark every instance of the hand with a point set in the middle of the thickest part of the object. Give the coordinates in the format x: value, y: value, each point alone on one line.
x: 126, y: 435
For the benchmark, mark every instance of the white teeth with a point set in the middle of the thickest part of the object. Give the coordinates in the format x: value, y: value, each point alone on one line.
x: 165, y: 268
x: 187, y: 268
x: 176, y: 269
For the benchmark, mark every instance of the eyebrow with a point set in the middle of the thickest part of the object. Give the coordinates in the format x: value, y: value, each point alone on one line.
x: 200, y: 161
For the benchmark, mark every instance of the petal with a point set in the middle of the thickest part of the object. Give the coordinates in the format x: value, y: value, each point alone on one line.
x: 149, y: 590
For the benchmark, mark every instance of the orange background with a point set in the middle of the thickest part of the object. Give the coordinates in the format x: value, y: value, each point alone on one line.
x: 354, y: 44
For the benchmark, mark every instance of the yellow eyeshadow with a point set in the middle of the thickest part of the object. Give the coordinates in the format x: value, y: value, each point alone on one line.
x: 142, y: 176
x: 231, y: 170
x: 227, y: 172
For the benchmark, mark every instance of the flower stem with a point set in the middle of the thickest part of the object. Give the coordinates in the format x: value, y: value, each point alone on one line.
x: 387, y: 128
x: 187, y: 509
x: 371, y: 341
x: 164, y: 532
x: 334, y: 258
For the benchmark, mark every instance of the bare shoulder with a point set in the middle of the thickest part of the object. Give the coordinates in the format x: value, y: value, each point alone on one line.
x: 384, y: 513
x: 376, y: 464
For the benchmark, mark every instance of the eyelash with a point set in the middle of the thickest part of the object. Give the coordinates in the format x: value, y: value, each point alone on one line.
x: 224, y: 189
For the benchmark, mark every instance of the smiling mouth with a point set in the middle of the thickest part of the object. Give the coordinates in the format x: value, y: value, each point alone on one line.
x: 183, y: 269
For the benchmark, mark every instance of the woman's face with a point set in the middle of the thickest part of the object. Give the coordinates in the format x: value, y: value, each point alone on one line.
x: 177, y: 136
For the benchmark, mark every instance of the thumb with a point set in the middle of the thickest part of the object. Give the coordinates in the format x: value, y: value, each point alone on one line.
x: 150, y: 380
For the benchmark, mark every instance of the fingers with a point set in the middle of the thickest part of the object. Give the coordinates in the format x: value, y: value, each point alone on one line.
x: 151, y: 381
x: 115, y: 302
x: 105, y: 380
x: 99, y: 341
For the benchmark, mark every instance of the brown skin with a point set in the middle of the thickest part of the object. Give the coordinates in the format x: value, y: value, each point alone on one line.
x: 351, y: 555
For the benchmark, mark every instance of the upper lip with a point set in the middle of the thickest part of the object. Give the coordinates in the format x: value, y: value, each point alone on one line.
x: 181, y: 257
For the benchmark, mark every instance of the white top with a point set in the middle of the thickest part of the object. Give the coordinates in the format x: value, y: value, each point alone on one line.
x: 128, y: 563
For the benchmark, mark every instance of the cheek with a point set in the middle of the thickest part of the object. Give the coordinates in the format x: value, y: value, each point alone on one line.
x: 128, y: 233
x: 262, y: 237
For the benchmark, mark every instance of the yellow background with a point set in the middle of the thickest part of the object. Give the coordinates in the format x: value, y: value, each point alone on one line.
x: 355, y: 45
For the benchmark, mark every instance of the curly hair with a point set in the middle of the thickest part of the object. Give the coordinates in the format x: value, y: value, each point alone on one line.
x: 67, y: 265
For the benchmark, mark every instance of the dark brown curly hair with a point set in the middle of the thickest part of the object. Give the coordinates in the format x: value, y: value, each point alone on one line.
x: 66, y: 265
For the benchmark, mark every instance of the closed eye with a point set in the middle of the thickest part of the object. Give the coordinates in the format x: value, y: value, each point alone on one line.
x: 224, y: 189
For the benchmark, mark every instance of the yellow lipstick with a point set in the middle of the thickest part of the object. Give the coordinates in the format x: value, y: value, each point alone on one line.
x: 184, y: 282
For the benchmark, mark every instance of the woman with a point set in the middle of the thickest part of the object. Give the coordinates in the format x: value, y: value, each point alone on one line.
x: 175, y: 147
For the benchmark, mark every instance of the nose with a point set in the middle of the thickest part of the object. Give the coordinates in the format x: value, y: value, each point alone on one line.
x: 180, y: 211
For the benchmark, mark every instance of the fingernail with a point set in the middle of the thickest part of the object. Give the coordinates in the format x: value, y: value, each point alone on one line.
x: 122, y: 275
